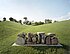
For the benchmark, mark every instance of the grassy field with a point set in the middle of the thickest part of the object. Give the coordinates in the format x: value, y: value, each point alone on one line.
x: 9, y: 31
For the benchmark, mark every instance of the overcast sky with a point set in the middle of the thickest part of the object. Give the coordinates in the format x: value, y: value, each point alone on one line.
x: 37, y: 10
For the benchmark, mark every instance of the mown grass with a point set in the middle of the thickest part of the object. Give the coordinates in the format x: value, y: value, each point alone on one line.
x: 9, y: 31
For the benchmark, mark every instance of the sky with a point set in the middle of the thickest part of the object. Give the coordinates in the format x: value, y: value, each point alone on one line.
x: 37, y: 10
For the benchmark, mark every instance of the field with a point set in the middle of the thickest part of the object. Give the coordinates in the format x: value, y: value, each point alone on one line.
x: 9, y: 31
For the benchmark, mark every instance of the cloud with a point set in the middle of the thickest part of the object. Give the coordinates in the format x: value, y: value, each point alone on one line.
x: 65, y: 17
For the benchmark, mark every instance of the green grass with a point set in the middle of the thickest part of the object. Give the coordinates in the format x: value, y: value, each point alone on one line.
x: 9, y: 31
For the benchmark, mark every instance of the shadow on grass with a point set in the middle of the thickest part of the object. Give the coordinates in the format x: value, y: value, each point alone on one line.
x: 66, y: 47
x: 54, y: 49
x: 46, y: 49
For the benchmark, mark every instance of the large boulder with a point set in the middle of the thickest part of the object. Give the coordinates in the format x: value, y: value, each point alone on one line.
x: 54, y: 40
x: 22, y: 35
x: 41, y: 37
x: 34, y: 38
x: 21, y: 38
x: 20, y: 41
x: 51, y: 34
x: 51, y: 39
x: 30, y: 35
x: 48, y: 40
x: 29, y: 39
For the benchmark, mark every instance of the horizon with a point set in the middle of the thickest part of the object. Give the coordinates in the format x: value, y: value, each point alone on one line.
x: 37, y: 10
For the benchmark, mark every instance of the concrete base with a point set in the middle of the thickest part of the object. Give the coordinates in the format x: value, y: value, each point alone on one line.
x: 59, y: 45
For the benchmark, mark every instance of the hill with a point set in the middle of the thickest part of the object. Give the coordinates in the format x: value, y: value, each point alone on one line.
x: 9, y: 31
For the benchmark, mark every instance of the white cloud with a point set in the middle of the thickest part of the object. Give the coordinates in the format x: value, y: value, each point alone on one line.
x: 65, y: 17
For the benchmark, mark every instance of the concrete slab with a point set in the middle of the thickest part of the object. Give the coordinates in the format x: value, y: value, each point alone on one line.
x: 59, y: 45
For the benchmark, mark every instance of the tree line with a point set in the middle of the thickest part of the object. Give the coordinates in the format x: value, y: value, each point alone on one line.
x: 27, y: 22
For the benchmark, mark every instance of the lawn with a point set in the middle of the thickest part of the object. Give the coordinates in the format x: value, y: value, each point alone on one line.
x: 9, y: 31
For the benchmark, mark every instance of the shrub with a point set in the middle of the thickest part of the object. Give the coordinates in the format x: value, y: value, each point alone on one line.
x: 20, y: 21
x: 39, y: 23
x: 48, y: 21
x: 11, y: 19
x: 29, y: 23
x: 15, y: 20
x: 4, y: 19
x: 0, y: 20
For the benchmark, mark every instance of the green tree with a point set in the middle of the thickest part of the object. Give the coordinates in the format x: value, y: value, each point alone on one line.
x: 48, y: 21
x: 29, y: 23
x: 11, y: 19
x: 26, y: 21
x: 55, y: 21
x: 39, y: 23
x: 4, y: 19
x: 0, y: 20
x: 15, y: 20
x: 36, y: 23
x: 25, y: 18
x: 20, y: 21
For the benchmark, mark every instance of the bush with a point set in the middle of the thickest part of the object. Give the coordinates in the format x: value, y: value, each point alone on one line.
x: 29, y: 23
x: 4, y: 19
x: 11, y: 19
x: 26, y: 22
x: 48, y: 21
x: 15, y: 20
x: 20, y: 21
x: 0, y: 20
x: 39, y: 23
x: 55, y: 21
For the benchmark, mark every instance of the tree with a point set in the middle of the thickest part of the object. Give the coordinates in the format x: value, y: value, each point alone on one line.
x: 26, y: 21
x: 39, y: 23
x: 29, y: 23
x: 36, y: 23
x: 48, y: 21
x: 4, y: 19
x: 11, y: 19
x: 0, y: 20
x: 20, y: 21
x: 55, y: 21
x: 25, y: 18
x: 15, y: 20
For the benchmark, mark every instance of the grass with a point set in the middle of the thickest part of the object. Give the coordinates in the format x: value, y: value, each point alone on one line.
x: 9, y: 31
